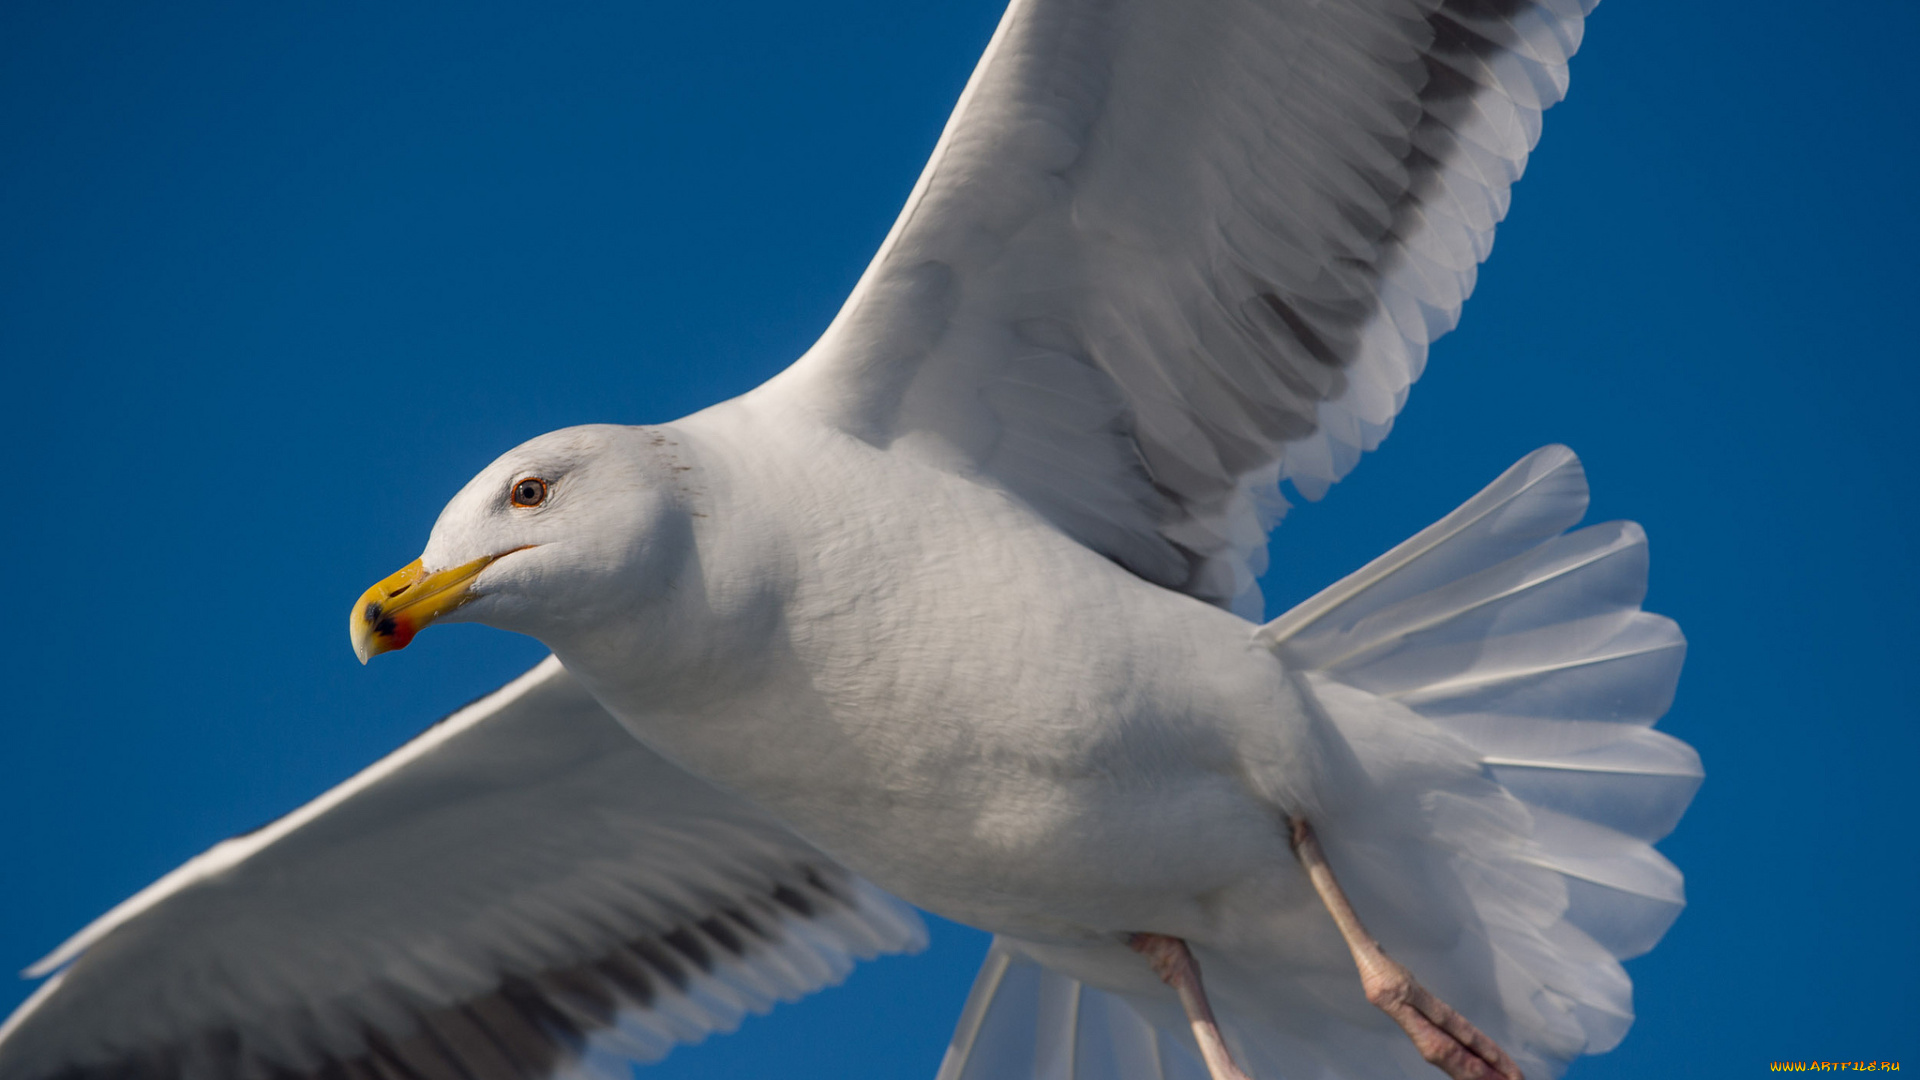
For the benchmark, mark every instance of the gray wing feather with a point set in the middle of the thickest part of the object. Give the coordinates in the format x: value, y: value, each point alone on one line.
x: 1169, y: 253
x: 522, y: 891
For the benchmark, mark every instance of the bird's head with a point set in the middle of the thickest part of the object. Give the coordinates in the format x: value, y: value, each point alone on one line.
x: 561, y: 532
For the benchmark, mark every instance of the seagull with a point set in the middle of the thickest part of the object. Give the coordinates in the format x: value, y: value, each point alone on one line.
x: 960, y: 612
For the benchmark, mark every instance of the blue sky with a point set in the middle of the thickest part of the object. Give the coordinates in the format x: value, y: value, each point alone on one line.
x: 275, y: 279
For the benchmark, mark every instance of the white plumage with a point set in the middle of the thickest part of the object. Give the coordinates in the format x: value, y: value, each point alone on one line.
x: 948, y: 609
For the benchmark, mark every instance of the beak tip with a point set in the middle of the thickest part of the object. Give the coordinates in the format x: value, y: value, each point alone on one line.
x: 382, y: 621
x: 364, y: 626
x: 361, y: 641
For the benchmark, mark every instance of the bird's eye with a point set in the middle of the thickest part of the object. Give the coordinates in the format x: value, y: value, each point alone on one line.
x: 529, y: 491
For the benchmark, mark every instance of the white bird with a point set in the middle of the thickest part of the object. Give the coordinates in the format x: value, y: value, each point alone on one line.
x: 957, y: 607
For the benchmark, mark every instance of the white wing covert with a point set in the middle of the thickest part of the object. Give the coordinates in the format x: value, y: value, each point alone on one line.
x: 522, y: 891
x: 1169, y: 254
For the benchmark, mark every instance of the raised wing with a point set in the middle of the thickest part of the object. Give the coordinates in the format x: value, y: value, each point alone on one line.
x: 521, y: 891
x: 1169, y: 253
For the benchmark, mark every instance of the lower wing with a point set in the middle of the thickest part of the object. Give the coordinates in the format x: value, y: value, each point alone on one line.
x: 523, y: 890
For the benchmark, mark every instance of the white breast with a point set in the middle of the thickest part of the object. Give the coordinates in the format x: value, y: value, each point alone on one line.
x: 956, y: 700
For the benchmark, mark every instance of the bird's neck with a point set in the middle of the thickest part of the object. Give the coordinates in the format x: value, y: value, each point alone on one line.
x: 691, y: 670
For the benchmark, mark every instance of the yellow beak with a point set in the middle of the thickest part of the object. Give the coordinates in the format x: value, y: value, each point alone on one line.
x: 387, y: 616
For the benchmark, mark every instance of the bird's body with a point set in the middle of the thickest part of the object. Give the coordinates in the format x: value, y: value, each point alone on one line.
x: 929, y: 682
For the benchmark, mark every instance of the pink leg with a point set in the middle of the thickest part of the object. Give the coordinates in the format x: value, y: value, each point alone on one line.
x: 1441, y: 1035
x: 1176, y: 967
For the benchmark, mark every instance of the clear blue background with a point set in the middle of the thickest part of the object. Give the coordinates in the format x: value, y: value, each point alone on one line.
x: 276, y: 278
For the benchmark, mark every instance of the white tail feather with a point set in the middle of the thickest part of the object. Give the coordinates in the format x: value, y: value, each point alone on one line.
x: 1025, y: 1020
x: 1523, y: 644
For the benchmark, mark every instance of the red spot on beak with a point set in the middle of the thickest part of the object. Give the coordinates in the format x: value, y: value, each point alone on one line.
x: 399, y: 629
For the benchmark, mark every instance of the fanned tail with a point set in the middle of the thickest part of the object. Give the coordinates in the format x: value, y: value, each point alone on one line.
x: 1530, y: 647
x: 1497, y: 636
